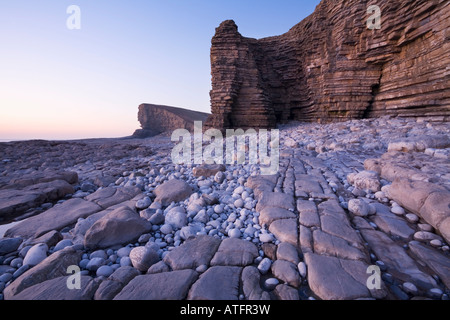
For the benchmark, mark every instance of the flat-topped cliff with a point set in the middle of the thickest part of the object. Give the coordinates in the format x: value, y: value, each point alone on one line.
x: 156, y: 119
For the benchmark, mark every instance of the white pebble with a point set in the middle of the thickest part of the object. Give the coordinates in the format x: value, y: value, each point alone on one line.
x: 218, y: 209
x: 302, y: 269
x: 239, y: 203
x: 436, y: 243
x: 265, y: 237
x: 234, y: 233
x: 398, y: 210
x: 411, y: 217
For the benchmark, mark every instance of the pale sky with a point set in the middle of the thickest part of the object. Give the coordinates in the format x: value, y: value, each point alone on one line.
x: 57, y: 83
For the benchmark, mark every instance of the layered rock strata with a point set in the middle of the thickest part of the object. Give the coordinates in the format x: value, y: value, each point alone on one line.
x: 332, y: 67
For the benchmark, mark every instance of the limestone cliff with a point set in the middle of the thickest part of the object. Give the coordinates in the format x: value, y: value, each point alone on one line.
x: 156, y: 119
x: 332, y: 67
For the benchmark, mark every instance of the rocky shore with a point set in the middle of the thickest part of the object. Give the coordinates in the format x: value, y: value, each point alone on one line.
x: 348, y: 196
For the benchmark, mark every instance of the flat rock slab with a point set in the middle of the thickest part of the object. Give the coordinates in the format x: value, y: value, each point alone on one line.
x: 285, y: 230
x: 287, y: 272
x: 15, y: 202
x: 110, y: 196
x: 217, y: 283
x: 285, y: 292
x: 398, y: 262
x: 435, y: 260
x: 251, y: 284
x: 52, y: 267
x: 334, y: 221
x: 120, y: 226
x: 235, y: 252
x: 172, y: 191
x: 270, y: 214
x: 391, y: 223
x: 331, y: 278
x: 327, y: 244
x: 308, y: 213
x: 57, y: 289
x: 275, y: 199
x: 160, y: 286
x: 115, y: 283
x: 193, y: 253
x: 55, y: 218
x: 36, y: 178
x: 307, y: 184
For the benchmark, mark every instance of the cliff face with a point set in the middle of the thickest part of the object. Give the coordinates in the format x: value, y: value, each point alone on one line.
x: 332, y: 67
x: 156, y: 119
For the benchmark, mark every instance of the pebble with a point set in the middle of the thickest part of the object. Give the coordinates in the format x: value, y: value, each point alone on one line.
x: 63, y: 244
x: 218, y: 209
x: 436, y: 243
x: 264, y: 265
x: 411, y: 217
x: 104, y: 271
x: 202, y: 268
x: 16, y: 263
x: 98, y: 254
x: 124, y: 252
x: 143, y: 203
x: 302, y: 269
x: 266, y: 237
x: 239, y: 203
x: 381, y: 265
x: 21, y: 271
x: 219, y: 177
x: 398, y: 210
x: 125, y: 262
x: 6, y: 277
x: 436, y: 293
x: 234, y: 233
x: 358, y: 207
x: 36, y: 254
x: 409, y: 287
x: 271, y: 283
x: 425, y: 227
x: 95, y: 263
x: 425, y: 236
x: 166, y: 229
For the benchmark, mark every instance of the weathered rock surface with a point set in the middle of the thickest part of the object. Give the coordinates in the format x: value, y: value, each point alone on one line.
x: 334, y: 71
x: 235, y: 252
x: 193, y: 253
x: 55, y: 218
x: 52, y: 267
x: 217, y: 283
x: 432, y: 258
x: 14, y: 202
x: 250, y: 284
x: 173, y: 190
x: 120, y: 226
x: 56, y: 289
x: 161, y: 286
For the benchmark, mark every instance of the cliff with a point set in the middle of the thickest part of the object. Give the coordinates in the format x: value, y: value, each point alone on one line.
x: 332, y: 67
x: 156, y: 119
